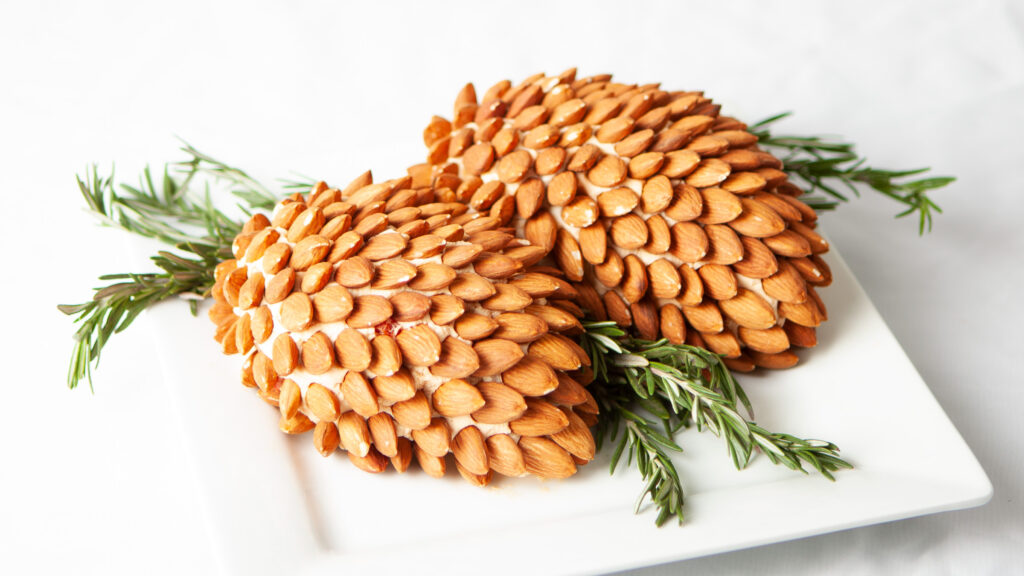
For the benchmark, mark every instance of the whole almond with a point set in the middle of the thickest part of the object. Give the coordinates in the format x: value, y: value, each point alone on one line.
x: 276, y: 258
x: 617, y: 202
x: 457, y: 360
x: 710, y: 172
x: 387, y: 357
x: 744, y: 182
x: 474, y: 326
x: 757, y: 220
x: 687, y: 203
x: 555, y: 318
x: 371, y: 221
x: 472, y: 287
x: 332, y: 304
x: 354, y: 433
x: 290, y: 399
x: 779, y: 361
x: 671, y: 324
x: 519, y: 327
x: 802, y: 336
x: 316, y: 278
x: 435, y: 438
x: 664, y: 279
x: 297, y: 312
x: 403, y: 456
x: 470, y: 450
x: 513, y: 167
x: 462, y: 255
x: 634, y: 279
x: 541, y: 230
x: 383, y: 434
x: 608, y: 172
x: 615, y: 130
x: 490, y: 240
x: 496, y: 355
x: 432, y: 276
x: 720, y: 206
x: 358, y: 393
x: 318, y: 354
x: 786, y: 285
x: 569, y: 112
x: 413, y: 413
x: 724, y: 246
x: 804, y: 314
x: 457, y: 398
x: 557, y: 351
x: 679, y: 163
x: 550, y: 160
x: 432, y: 465
x: 610, y: 272
x: 310, y: 221
x: 353, y: 350
x: 531, y: 376
x: 409, y: 306
x: 251, y: 292
x: 568, y: 393
x: 659, y: 236
x: 724, y: 344
x: 705, y: 317
x: 693, y: 286
x: 420, y: 345
x: 298, y: 424
x: 504, y: 455
x: 629, y: 232
x: 576, y: 438
x: 719, y: 281
x: 260, y: 242
x: 529, y: 197
x: 355, y: 272
x: 770, y: 341
x: 396, y: 387
x: 635, y: 143
x: 758, y: 261
x: 287, y: 214
x: 501, y: 404
x: 581, y: 212
x: 326, y: 438
x: 545, y: 459
x: 507, y: 298
x: 569, y: 256
x: 233, y: 284
x: 495, y: 266
x: 384, y: 246
x: 345, y: 246
x: 786, y: 243
x: 369, y: 311
x: 478, y: 158
x: 322, y: 402
x: 394, y: 274
x: 374, y: 462
x: 280, y: 286
x: 309, y: 251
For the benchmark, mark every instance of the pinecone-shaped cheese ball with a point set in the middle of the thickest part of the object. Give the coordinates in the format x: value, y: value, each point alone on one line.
x: 393, y: 325
x: 666, y: 215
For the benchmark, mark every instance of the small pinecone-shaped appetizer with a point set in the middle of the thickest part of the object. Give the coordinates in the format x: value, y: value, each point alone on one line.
x: 665, y: 215
x: 393, y: 325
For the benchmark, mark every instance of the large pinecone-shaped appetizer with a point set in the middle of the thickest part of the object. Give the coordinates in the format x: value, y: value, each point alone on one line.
x: 392, y: 324
x: 664, y: 214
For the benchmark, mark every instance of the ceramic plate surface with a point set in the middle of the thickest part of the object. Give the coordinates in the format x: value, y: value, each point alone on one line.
x: 276, y: 506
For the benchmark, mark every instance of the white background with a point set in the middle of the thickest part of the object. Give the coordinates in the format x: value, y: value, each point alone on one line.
x: 99, y: 483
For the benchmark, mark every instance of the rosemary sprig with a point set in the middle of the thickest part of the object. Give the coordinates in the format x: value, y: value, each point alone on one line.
x: 827, y: 164
x: 677, y: 385
x: 174, y: 213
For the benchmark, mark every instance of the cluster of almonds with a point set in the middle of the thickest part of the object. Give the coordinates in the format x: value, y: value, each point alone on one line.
x: 665, y: 215
x: 393, y: 323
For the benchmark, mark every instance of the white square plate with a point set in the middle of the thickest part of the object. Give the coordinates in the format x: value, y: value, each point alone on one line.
x: 276, y: 506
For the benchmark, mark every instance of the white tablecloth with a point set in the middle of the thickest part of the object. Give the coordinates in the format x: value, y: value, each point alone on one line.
x: 100, y: 483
